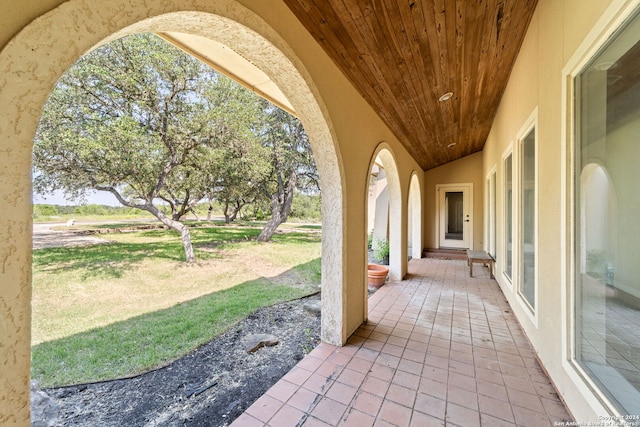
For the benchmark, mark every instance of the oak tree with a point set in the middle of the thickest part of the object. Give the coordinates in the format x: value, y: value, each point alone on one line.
x: 132, y: 118
x: 292, y: 166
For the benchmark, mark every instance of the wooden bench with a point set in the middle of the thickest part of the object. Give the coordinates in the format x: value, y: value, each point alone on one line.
x: 481, y: 257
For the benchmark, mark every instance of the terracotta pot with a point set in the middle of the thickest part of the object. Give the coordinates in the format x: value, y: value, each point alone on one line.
x: 377, y: 275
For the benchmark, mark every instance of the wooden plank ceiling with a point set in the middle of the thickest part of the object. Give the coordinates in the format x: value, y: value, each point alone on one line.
x: 403, y: 55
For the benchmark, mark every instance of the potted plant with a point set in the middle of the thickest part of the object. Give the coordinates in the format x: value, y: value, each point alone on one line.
x: 377, y: 275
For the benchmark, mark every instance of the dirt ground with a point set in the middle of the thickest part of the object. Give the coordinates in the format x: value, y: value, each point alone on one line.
x: 49, y: 235
x: 210, y: 387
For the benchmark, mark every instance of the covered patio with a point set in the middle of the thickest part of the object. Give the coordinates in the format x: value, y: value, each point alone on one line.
x: 439, y: 348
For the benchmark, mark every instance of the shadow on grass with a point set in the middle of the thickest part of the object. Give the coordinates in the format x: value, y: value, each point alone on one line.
x: 152, y: 340
x: 293, y: 237
x: 113, y: 260
x: 309, y: 227
x: 103, y: 260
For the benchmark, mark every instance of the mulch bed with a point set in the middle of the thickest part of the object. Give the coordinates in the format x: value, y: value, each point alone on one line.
x: 212, y: 386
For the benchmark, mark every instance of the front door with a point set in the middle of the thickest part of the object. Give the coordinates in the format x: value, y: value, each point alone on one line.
x: 455, y: 215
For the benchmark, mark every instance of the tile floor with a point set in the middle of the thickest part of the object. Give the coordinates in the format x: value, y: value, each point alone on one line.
x: 439, y: 348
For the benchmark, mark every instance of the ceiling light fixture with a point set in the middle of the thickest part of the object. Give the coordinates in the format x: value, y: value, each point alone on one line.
x: 446, y: 96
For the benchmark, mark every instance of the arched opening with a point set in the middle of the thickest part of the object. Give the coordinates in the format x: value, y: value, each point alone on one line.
x: 384, y: 213
x: 414, y: 217
x: 42, y: 51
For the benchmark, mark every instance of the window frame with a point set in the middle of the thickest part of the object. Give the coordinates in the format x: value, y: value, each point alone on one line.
x: 509, y: 152
x: 614, y: 18
x: 529, y: 125
x: 491, y: 212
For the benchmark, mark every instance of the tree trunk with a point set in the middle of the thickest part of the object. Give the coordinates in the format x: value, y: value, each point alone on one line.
x: 271, y: 227
x: 193, y: 211
x: 280, y: 208
x: 227, y: 216
x: 236, y: 210
x: 189, y: 254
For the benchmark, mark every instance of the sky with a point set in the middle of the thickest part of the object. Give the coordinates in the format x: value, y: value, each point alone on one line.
x: 93, y: 198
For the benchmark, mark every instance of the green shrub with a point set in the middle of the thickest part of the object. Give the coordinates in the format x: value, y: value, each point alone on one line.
x: 306, y: 207
x: 381, y: 250
x: 91, y: 210
x: 45, y: 210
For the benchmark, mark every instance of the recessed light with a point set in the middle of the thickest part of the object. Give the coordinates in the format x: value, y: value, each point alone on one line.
x: 446, y: 96
x: 453, y: 144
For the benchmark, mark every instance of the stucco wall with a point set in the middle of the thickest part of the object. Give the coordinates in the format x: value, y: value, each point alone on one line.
x: 345, y: 133
x: 465, y: 170
x: 536, y: 84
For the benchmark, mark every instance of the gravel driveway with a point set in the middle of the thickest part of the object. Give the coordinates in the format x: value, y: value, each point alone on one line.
x: 53, y: 235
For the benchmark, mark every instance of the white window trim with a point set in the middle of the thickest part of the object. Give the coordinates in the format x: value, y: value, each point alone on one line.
x: 610, y: 21
x: 490, y: 196
x: 531, y: 123
x: 505, y: 280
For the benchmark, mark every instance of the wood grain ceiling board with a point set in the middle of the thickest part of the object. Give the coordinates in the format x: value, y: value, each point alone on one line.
x: 402, y: 55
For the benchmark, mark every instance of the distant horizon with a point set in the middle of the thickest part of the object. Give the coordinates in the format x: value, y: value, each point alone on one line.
x: 92, y: 198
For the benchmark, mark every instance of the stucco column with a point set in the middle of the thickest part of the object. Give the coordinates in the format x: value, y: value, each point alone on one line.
x: 15, y: 270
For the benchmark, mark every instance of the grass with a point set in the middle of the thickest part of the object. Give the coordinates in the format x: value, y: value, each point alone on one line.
x: 114, y: 310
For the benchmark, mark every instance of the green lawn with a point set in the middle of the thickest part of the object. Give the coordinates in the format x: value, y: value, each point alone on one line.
x: 113, y: 310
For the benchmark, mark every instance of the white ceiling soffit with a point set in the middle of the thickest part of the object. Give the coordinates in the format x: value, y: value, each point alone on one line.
x: 228, y: 62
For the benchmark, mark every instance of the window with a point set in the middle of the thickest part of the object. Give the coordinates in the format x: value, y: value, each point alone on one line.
x: 508, y: 216
x: 490, y: 216
x: 607, y: 229
x: 527, y: 210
